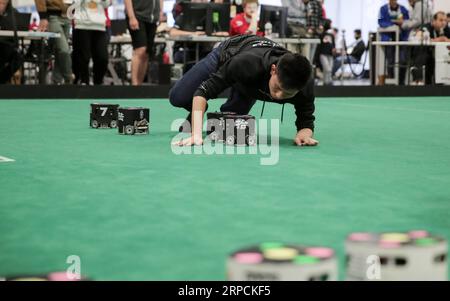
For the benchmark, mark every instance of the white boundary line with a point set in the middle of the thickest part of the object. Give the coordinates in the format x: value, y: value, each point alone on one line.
x: 4, y: 159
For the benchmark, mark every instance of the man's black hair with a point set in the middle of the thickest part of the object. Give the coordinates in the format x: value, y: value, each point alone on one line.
x: 358, y: 31
x: 326, y: 23
x: 294, y: 71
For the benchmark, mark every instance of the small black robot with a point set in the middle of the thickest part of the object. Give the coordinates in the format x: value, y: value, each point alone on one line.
x: 231, y: 128
x: 103, y: 115
x: 133, y: 121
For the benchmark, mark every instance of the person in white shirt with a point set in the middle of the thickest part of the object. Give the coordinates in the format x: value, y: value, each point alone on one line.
x: 421, y: 13
x: 89, y: 39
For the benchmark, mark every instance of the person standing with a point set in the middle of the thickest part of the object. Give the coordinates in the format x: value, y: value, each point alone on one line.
x: 9, y: 53
x: 53, y: 18
x: 142, y: 16
x: 393, y: 14
x: 314, y: 16
x: 421, y: 13
x: 325, y: 51
x: 90, y: 39
x: 296, y: 18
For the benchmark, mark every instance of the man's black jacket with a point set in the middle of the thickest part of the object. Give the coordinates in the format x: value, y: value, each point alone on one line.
x: 244, y: 64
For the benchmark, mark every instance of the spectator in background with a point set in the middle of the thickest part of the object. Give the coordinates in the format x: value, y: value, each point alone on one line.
x: 142, y: 15
x: 33, y: 25
x: 421, y: 13
x: 357, y: 50
x: 338, y: 42
x: 9, y: 60
x: 393, y: 15
x: 53, y: 18
x: 438, y: 29
x: 313, y: 16
x: 324, y: 12
x: 424, y: 56
x: 246, y: 22
x: 296, y: 17
x: 325, y: 51
x: 90, y: 40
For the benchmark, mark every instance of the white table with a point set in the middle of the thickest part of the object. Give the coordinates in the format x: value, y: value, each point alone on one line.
x: 442, y: 70
x: 30, y: 35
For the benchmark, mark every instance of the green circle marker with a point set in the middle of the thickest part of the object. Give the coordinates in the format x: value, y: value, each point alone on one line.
x: 270, y: 245
x: 427, y: 241
x: 305, y: 259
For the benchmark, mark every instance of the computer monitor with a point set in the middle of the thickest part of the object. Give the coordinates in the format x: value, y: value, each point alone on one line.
x: 23, y: 21
x: 218, y: 18
x: 277, y: 16
x: 118, y: 27
x: 207, y: 17
x: 194, y: 16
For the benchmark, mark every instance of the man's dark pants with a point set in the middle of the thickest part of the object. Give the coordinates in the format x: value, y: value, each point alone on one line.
x: 182, y: 93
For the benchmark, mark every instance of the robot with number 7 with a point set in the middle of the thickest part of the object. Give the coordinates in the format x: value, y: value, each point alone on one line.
x: 103, y: 115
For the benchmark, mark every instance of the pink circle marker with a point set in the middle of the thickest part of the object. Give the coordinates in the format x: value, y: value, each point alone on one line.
x: 389, y: 244
x: 418, y: 234
x: 360, y: 237
x: 248, y: 258
x: 62, y: 276
x: 320, y: 252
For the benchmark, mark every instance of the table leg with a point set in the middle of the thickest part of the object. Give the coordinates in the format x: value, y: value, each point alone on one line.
x: 41, y: 63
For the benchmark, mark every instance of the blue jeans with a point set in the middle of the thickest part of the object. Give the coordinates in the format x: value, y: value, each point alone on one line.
x: 182, y: 93
x: 338, y: 62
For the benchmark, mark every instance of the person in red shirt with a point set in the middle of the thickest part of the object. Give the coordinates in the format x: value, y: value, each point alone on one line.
x: 246, y: 22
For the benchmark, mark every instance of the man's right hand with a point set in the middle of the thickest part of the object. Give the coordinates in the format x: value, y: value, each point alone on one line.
x: 43, y: 25
x: 198, y: 140
x: 134, y: 24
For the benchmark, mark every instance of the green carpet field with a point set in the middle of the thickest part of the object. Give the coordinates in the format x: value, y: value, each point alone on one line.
x: 132, y: 209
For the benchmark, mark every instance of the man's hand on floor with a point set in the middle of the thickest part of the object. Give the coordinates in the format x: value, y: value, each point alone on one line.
x: 189, y: 141
x: 304, y: 137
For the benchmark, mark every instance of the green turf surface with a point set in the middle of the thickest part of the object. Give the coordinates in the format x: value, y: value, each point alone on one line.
x: 131, y: 209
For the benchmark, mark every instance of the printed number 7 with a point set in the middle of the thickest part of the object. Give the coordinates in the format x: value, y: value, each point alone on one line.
x: 104, y: 110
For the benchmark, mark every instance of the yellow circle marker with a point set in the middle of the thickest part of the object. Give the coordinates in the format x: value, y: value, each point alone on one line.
x: 394, y: 237
x: 30, y: 279
x: 280, y: 254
